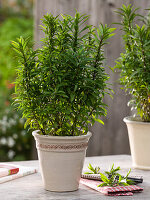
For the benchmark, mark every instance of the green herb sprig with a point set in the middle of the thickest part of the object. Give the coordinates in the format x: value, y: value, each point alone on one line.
x: 111, y: 178
x: 93, y: 170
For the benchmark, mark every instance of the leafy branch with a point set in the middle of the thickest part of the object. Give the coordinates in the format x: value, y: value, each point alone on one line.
x: 111, y: 178
x: 93, y: 170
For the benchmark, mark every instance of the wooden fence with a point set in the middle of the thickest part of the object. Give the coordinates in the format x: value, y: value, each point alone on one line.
x: 112, y: 138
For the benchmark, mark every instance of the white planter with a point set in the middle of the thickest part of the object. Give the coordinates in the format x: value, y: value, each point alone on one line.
x: 139, y: 138
x: 61, y: 160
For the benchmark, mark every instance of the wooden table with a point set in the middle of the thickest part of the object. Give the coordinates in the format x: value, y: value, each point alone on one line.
x: 31, y: 188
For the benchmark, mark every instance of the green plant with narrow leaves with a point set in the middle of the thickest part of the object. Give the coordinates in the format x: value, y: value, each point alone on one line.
x: 134, y: 62
x: 93, y: 170
x: 60, y: 87
x: 111, y: 178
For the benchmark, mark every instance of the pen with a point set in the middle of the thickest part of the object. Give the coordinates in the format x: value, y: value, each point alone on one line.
x: 97, y: 177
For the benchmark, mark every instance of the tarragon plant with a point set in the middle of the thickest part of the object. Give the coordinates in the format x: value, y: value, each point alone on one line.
x: 93, y: 170
x: 134, y: 62
x: 111, y: 178
x: 60, y: 87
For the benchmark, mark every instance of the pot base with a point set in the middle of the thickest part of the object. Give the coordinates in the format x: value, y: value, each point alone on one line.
x: 60, y: 191
x: 140, y: 167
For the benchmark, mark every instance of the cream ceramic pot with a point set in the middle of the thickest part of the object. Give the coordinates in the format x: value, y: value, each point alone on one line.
x: 61, y: 160
x: 139, y: 138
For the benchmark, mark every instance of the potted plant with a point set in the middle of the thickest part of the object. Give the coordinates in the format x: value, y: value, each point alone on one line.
x: 60, y: 89
x: 134, y: 64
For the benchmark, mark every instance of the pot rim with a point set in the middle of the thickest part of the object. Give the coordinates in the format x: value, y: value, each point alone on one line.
x: 88, y: 135
x: 134, y: 120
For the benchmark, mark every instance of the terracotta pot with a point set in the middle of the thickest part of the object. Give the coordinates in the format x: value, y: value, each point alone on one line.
x: 139, y: 138
x: 61, y: 160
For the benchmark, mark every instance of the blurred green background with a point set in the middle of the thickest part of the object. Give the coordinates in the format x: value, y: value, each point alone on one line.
x: 16, y: 19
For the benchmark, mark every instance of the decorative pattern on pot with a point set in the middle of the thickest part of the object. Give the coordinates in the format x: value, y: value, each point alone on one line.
x: 61, y: 147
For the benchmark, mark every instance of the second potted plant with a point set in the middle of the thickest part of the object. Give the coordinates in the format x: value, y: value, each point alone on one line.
x: 60, y: 89
x: 134, y: 64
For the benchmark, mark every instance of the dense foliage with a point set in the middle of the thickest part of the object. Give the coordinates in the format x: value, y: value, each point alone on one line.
x: 10, y: 29
x: 134, y: 63
x: 15, y: 20
x: 61, y: 86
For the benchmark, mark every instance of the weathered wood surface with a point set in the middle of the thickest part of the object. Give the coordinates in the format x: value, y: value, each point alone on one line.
x: 31, y: 187
x: 112, y: 138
